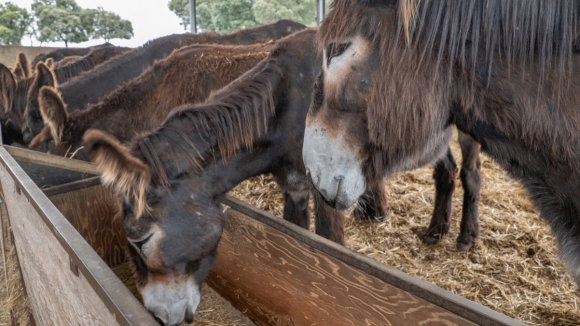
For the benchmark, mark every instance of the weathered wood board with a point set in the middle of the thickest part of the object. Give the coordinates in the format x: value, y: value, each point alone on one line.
x: 91, y: 210
x: 280, y: 274
x: 66, y: 281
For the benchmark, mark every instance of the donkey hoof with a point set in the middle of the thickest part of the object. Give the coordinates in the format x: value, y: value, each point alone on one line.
x: 371, y: 218
x: 464, y: 247
x: 430, y: 240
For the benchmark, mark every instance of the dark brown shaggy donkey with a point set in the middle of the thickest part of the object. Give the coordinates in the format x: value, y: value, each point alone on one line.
x: 170, y: 181
x: 17, y: 93
x: 90, y: 87
x: 188, y: 75
x: 405, y: 71
x: 14, y: 95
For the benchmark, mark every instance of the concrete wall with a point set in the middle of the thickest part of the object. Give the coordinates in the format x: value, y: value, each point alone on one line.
x: 8, y: 53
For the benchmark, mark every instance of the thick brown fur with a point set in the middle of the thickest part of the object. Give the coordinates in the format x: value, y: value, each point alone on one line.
x: 502, y: 71
x: 128, y: 176
x: 67, y: 69
x: 143, y: 103
x: 8, y: 82
x: 437, y: 29
x: 53, y: 111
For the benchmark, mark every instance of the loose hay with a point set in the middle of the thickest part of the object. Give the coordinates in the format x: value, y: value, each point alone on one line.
x: 514, y: 267
x: 14, y: 305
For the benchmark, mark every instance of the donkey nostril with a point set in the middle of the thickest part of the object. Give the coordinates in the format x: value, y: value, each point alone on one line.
x: 158, y: 320
x: 338, y: 177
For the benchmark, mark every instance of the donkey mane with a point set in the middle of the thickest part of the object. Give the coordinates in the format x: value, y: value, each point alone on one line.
x: 512, y: 30
x: 232, y: 118
x: 75, y: 68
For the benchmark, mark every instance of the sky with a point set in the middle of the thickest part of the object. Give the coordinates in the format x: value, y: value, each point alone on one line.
x: 150, y: 19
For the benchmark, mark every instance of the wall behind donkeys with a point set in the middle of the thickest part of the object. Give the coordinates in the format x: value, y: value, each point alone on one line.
x: 8, y: 53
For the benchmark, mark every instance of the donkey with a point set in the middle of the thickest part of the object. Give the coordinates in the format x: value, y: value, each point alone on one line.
x: 170, y: 181
x: 17, y: 93
x: 90, y: 87
x: 188, y: 75
x: 14, y: 95
x: 501, y: 72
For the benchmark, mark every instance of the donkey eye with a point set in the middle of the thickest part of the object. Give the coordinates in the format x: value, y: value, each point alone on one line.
x: 139, y: 244
x: 335, y: 50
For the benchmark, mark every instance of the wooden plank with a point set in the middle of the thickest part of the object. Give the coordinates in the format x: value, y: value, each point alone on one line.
x: 26, y: 155
x: 50, y: 249
x: 280, y: 273
x: 71, y: 186
x: 91, y: 210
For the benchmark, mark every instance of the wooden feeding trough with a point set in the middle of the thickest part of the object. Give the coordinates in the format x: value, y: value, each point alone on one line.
x: 273, y: 271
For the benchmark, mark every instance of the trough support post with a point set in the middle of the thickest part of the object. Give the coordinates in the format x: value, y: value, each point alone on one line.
x: 320, y: 10
x: 192, y: 18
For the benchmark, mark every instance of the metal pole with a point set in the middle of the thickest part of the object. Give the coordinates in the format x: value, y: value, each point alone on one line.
x: 192, y: 19
x: 320, y: 11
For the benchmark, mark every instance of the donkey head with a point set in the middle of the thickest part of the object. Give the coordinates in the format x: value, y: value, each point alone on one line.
x: 33, y: 123
x: 172, y: 245
x: 335, y: 147
x: 8, y: 88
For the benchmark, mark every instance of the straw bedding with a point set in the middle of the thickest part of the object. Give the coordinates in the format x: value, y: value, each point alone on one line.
x: 514, y: 267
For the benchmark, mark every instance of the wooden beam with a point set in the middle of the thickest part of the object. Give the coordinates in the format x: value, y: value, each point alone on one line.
x: 282, y: 274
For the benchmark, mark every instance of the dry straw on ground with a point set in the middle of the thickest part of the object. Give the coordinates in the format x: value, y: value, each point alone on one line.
x: 514, y: 268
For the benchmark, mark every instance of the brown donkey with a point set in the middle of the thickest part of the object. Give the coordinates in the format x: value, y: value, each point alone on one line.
x: 188, y: 75
x: 90, y: 87
x: 406, y: 71
x: 170, y: 180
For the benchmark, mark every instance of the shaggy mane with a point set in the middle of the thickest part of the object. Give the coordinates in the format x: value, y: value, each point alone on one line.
x: 512, y: 30
x: 230, y: 119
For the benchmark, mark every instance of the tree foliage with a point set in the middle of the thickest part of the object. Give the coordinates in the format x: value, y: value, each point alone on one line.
x: 228, y: 15
x: 108, y: 25
x: 14, y: 22
x: 66, y: 21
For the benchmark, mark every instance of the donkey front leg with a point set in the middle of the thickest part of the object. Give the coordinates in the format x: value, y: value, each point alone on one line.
x: 471, y: 180
x: 372, y: 205
x: 444, y: 175
x: 296, y: 191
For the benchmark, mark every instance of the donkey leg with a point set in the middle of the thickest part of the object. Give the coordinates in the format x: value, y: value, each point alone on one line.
x: 444, y: 175
x: 296, y: 191
x: 329, y: 221
x: 471, y: 180
x: 372, y: 205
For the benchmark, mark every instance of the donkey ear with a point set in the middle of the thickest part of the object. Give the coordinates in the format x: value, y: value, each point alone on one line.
x: 130, y: 177
x: 24, y: 64
x: 19, y: 71
x: 43, y: 77
x: 8, y: 83
x: 49, y: 63
x: 53, y: 111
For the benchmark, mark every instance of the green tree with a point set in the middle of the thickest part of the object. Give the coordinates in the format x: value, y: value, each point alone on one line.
x: 269, y: 11
x: 108, y: 25
x: 14, y: 22
x: 181, y: 9
x: 59, y: 20
x: 222, y: 16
